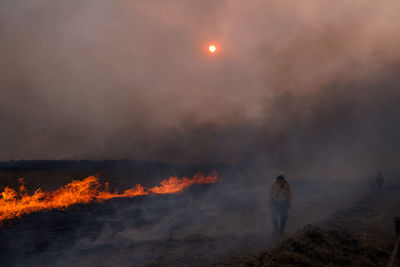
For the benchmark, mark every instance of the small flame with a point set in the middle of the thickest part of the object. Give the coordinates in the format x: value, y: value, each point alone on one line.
x: 15, y: 204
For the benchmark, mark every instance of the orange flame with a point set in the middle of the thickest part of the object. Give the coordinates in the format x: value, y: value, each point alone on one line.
x: 176, y: 185
x: 15, y: 204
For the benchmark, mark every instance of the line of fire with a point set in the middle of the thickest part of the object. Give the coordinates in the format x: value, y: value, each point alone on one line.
x: 17, y: 203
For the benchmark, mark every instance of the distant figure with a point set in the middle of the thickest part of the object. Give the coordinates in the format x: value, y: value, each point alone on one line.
x: 280, y: 201
x: 379, y: 182
x: 372, y: 182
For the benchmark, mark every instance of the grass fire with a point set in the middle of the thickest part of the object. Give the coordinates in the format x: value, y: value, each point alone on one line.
x: 17, y: 203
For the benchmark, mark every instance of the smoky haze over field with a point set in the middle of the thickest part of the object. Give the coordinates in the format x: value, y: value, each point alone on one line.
x: 98, y: 79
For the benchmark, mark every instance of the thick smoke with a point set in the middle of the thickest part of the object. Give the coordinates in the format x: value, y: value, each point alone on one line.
x: 312, y: 80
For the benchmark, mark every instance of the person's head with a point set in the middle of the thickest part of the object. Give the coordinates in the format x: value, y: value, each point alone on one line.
x: 280, y: 179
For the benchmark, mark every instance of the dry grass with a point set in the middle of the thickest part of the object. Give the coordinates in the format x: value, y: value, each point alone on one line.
x: 360, y: 236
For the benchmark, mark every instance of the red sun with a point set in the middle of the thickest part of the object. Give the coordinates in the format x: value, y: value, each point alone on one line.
x: 212, y: 48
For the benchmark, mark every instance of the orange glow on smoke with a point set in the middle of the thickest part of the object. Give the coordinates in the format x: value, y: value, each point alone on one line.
x: 17, y: 203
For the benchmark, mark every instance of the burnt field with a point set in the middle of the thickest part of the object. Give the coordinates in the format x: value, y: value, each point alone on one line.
x: 226, y: 223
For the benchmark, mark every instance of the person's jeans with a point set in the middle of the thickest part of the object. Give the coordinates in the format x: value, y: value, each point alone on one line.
x: 279, y: 213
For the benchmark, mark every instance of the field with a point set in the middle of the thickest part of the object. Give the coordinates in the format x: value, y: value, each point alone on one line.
x: 362, y: 235
x: 223, y: 224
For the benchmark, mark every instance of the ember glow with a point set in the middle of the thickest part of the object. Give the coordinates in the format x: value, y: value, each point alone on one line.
x: 15, y: 203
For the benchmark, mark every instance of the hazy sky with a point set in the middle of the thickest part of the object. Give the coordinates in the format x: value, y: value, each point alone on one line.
x: 110, y: 79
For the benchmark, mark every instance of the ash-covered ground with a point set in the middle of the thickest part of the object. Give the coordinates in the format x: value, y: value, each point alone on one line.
x: 217, y: 224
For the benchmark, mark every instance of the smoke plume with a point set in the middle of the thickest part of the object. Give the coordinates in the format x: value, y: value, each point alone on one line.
x: 293, y: 83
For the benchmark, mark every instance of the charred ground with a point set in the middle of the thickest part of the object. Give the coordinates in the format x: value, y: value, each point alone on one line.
x: 218, y: 224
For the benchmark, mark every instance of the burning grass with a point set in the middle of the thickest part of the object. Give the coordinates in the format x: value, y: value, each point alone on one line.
x: 15, y: 203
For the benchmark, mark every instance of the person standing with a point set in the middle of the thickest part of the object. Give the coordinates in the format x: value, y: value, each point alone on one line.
x: 372, y: 182
x: 379, y: 182
x: 280, y: 201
